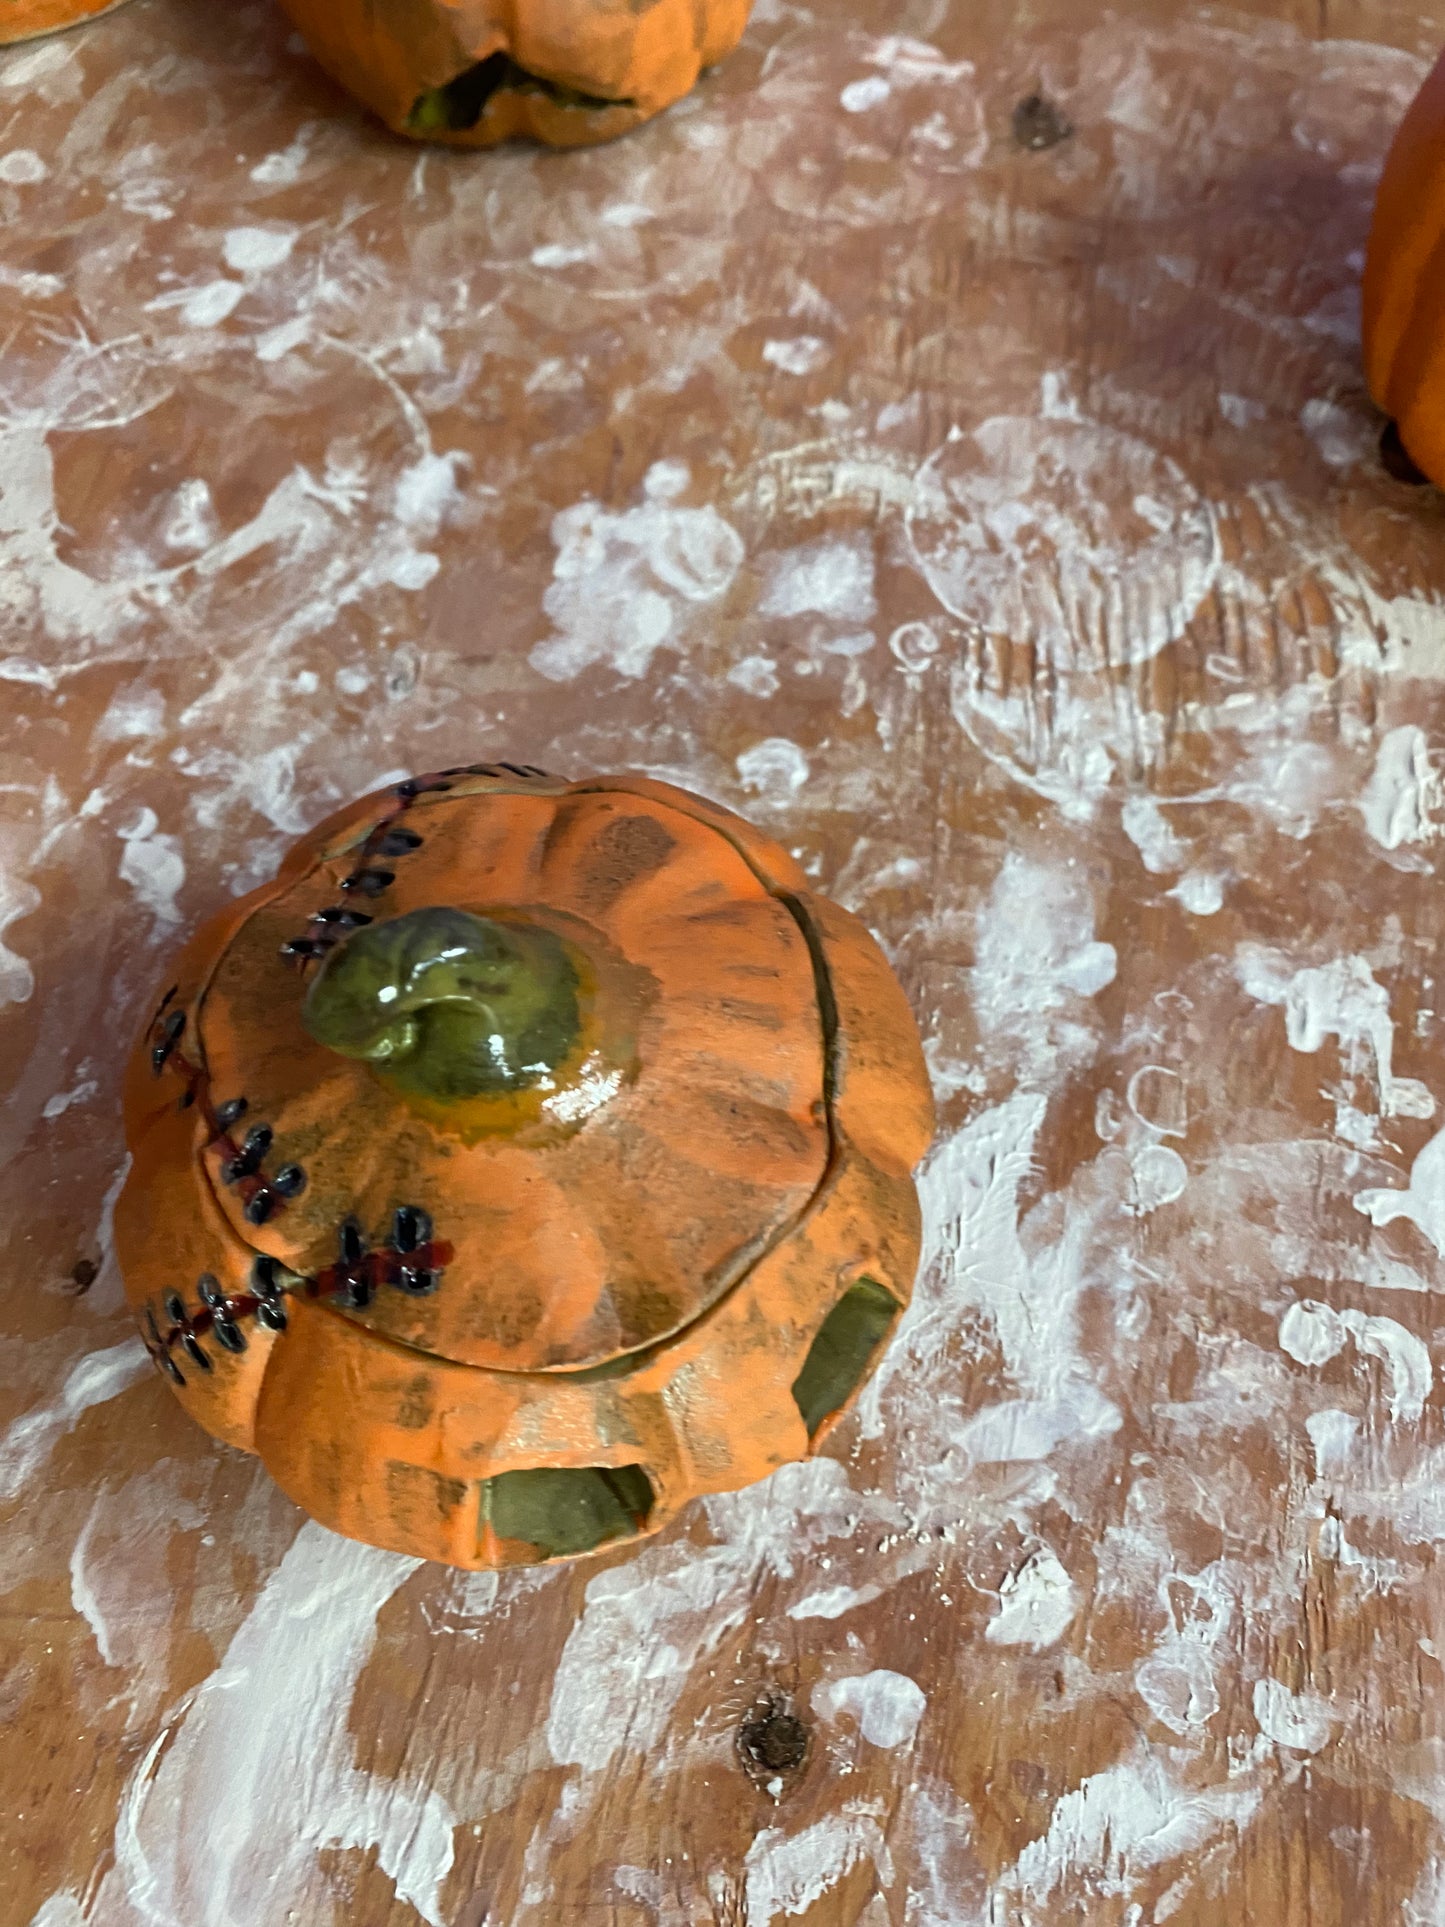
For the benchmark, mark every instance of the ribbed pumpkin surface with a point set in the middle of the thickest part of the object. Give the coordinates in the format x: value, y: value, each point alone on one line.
x: 709, y: 1133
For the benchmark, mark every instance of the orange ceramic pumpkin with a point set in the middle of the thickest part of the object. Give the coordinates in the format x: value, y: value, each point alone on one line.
x: 28, y: 19
x: 1404, y: 303
x: 475, y: 72
x: 529, y: 1158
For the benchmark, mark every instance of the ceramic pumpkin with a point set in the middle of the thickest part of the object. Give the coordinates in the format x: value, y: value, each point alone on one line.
x: 28, y: 19
x: 529, y: 1158
x: 475, y: 72
x: 1404, y: 296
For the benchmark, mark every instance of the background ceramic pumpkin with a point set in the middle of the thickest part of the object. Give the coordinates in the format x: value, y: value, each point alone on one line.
x: 28, y: 19
x: 528, y: 1159
x: 475, y: 72
x: 1404, y: 297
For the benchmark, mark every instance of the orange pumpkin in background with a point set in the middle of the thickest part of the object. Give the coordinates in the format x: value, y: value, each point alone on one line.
x: 28, y: 19
x: 475, y: 72
x: 1404, y: 298
x: 528, y: 1159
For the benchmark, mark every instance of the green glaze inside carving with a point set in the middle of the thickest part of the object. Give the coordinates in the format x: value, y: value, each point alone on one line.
x: 568, y: 1509
x: 842, y: 1351
x: 447, y: 1006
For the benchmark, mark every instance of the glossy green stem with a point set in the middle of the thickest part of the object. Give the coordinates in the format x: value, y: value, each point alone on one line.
x: 447, y: 1006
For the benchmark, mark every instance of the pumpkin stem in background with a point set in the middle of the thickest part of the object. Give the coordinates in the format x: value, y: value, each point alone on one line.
x: 447, y: 1006
x: 458, y: 106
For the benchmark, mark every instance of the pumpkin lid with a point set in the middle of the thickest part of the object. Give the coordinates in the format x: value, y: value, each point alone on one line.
x: 568, y: 1035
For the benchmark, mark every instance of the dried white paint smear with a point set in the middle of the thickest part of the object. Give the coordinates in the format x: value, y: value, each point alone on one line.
x: 830, y: 578
x: 626, y: 584
x: 1314, y: 1333
x: 1177, y: 1684
x: 1153, y: 836
x: 1302, y: 1721
x: 1037, y: 961
x: 788, y: 1876
x: 1338, y: 999
x: 152, y: 864
x: 1017, y: 528
x: 1118, y: 1824
x: 1422, y: 1203
x: 97, y: 1377
x: 646, y: 1625
x: 222, y: 1821
x: 775, y: 769
x: 886, y: 1706
x: 17, y: 900
x: 1036, y: 1604
x: 1404, y: 801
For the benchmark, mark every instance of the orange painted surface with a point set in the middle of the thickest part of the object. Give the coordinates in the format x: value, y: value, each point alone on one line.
x: 734, y: 1152
x: 390, y: 53
x: 1404, y: 297
x: 27, y: 19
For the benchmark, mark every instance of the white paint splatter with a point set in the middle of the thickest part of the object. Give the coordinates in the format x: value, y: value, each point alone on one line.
x: 775, y: 769
x: 22, y: 167
x: 1153, y: 836
x: 255, y: 250
x: 757, y: 675
x: 152, y: 864
x: 1313, y: 1333
x: 61, y: 1102
x: 97, y: 1377
x: 625, y: 584
x: 1338, y: 999
x: 1159, y: 1098
x: 1404, y: 801
x: 859, y: 95
x: 886, y: 1706
x: 1302, y: 1721
x: 1201, y: 893
x: 1177, y: 1684
x: 1036, y: 1604
x: 262, y: 1747
x: 798, y: 355
x: 17, y: 899
x: 1421, y: 1203
x: 1160, y: 1176
x: 833, y: 578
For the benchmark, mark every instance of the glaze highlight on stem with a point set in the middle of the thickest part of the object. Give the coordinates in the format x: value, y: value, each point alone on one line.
x: 447, y: 1006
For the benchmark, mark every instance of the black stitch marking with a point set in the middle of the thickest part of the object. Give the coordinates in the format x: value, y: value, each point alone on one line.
x: 172, y: 1030
x: 398, y: 843
x: 369, y: 883
x: 231, y: 1112
x: 289, y: 1181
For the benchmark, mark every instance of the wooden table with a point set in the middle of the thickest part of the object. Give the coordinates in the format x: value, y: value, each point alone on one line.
x: 1002, y: 528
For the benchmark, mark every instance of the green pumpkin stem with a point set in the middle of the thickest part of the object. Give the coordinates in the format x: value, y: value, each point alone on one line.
x: 446, y: 1006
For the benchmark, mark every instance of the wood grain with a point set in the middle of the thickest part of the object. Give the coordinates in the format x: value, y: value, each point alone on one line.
x: 1002, y: 529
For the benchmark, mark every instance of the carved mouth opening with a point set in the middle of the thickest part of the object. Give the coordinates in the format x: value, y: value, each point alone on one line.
x: 459, y: 106
x: 563, y: 1510
x: 838, y: 1361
